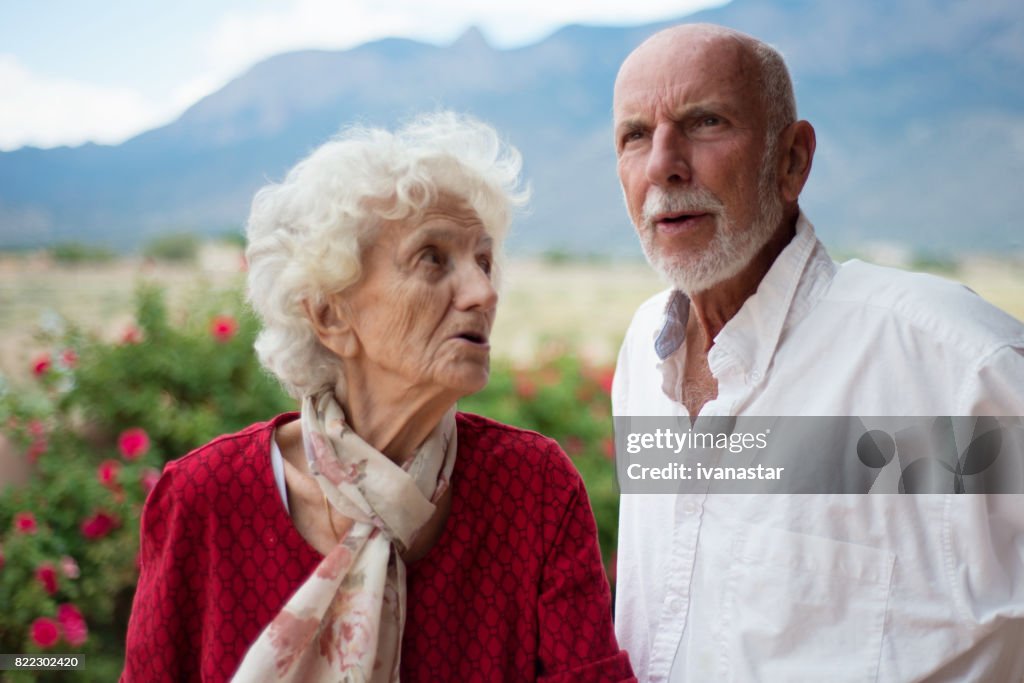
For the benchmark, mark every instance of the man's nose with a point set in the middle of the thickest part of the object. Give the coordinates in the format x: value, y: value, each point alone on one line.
x: 668, y: 162
x: 474, y: 289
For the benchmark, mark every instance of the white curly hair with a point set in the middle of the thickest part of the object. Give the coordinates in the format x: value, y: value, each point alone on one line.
x: 306, y: 234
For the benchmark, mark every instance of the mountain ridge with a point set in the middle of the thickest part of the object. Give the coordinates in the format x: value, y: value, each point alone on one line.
x: 919, y: 110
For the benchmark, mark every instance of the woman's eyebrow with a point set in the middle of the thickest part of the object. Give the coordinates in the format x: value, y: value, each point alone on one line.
x: 447, y: 234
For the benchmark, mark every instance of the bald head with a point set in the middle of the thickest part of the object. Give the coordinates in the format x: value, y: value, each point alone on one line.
x: 729, y: 54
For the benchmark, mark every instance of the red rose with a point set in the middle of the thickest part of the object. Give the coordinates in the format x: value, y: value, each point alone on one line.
x: 604, y: 379
x: 76, y: 632
x: 223, y: 327
x: 45, y: 632
x: 98, y: 526
x: 37, y: 448
x: 609, y: 448
x: 107, y: 473
x: 36, y: 428
x: 41, y: 364
x: 47, y: 576
x: 133, y: 443
x: 25, y: 522
x: 3, y: 560
x: 526, y: 389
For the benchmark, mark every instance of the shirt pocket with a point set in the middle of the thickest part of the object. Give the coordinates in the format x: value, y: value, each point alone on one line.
x: 803, y: 608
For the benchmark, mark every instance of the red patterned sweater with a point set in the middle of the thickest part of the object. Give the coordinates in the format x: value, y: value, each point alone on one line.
x: 514, y: 590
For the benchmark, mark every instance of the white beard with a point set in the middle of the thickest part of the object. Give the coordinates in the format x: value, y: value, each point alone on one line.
x: 732, y: 246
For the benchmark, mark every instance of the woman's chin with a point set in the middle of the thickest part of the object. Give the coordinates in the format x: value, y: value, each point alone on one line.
x: 468, y: 382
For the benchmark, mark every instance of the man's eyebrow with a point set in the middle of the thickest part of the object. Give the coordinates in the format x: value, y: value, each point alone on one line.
x: 630, y: 124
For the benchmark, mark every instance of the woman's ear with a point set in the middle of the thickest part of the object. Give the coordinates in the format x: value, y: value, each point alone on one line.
x: 332, y: 324
x: 797, y: 152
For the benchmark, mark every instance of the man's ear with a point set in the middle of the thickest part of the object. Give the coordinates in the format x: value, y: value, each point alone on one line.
x: 797, y: 152
x: 332, y: 324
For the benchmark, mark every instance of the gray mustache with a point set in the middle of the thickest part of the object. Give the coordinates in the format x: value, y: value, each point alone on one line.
x: 660, y: 201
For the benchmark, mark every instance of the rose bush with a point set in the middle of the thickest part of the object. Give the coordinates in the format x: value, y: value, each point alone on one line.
x: 101, y: 419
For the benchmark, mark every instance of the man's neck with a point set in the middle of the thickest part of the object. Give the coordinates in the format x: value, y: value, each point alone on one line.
x: 714, y: 307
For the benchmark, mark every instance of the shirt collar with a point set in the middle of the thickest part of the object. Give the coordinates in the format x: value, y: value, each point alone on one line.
x: 784, y: 295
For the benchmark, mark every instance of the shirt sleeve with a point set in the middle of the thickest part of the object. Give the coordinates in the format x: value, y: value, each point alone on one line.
x: 159, y: 645
x: 577, y: 642
x: 985, y: 533
x: 997, y: 385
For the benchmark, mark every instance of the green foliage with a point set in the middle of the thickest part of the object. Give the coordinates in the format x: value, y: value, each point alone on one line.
x: 934, y: 262
x: 169, y: 384
x: 180, y: 247
x: 565, y: 399
x: 102, y: 418
x: 235, y: 238
x: 76, y: 252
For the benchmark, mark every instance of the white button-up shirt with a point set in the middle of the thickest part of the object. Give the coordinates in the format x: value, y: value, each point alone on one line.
x: 778, y: 587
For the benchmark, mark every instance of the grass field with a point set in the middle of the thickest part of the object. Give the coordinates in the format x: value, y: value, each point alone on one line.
x: 582, y: 306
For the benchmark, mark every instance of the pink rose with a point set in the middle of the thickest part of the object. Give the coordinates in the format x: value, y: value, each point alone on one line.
x: 76, y: 632
x: 133, y: 443
x: 131, y: 335
x: 149, y: 478
x: 107, y: 473
x: 69, y: 567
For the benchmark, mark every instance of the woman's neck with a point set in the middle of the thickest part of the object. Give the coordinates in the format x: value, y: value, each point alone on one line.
x: 393, y: 417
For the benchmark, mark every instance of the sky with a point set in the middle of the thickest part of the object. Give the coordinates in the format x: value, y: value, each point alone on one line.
x: 75, y: 71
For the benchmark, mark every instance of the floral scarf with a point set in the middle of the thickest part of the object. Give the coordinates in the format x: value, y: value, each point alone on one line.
x: 345, y: 622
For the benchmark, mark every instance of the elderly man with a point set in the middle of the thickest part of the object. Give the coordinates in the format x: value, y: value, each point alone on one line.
x: 760, y: 321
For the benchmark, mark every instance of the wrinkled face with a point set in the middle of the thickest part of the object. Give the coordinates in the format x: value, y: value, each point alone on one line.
x: 423, y: 309
x: 699, y: 180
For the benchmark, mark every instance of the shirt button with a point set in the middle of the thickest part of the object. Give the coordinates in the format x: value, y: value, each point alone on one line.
x: 690, y: 508
x: 755, y: 376
x: 675, y: 604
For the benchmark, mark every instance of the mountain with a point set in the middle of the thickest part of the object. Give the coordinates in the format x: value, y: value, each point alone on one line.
x: 918, y: 105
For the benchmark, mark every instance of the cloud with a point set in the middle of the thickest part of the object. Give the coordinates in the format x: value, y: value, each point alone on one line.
x: 48, y: 111
x: 45, y: 112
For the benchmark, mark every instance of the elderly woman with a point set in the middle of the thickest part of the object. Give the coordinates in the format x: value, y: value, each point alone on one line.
x: 377, y: 535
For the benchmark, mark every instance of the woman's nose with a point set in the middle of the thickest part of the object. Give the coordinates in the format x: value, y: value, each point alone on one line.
x: 474, y: 288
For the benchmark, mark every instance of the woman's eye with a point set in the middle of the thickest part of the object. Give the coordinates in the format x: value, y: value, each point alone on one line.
x: 433, y: 256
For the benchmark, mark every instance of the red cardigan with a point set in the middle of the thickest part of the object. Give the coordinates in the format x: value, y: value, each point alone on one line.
x: 514, y: 590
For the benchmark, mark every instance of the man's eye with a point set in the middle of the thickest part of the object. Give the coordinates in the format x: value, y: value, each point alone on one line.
x: 708, y: 121
x: 486, y: 264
